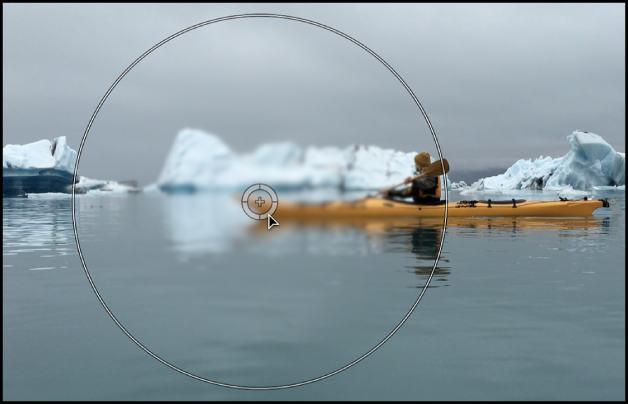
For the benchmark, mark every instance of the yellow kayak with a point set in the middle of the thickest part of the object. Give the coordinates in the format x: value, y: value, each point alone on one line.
x: 382, y: 207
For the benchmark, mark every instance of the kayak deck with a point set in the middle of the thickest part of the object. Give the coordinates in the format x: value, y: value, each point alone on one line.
x: 376, y: 207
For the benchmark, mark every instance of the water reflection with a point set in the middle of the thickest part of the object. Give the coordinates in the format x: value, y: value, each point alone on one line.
x: 38, y: 234
x: 421, y: 237
x: 35, y: 228
x: 423, y: 240
x: 199, y: 225
x: 425, y: 244
x: 364, y: 236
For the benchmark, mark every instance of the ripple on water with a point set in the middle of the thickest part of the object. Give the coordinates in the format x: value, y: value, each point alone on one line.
x: 36, y: 229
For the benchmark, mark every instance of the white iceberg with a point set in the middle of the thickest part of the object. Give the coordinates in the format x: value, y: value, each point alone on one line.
x: 200, y: 161
x: 195, y: 162
x: 47, y: 166
x: 590, y: 163
x: 42, y: 166
x: 43, y: 154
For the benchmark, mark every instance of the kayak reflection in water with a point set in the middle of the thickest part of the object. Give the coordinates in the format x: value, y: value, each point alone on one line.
x: 424, y: 190
x: 425, y: 242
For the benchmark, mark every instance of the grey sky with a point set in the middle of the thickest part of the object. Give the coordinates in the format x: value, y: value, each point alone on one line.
x: 498, y: 82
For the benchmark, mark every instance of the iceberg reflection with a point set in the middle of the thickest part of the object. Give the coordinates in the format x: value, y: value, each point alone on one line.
x: 41, y: 227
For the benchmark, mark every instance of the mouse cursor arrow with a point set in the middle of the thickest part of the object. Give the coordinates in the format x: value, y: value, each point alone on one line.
x: 272, y: 222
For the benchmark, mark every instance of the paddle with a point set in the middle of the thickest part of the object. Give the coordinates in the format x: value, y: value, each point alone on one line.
x: 433, y: 170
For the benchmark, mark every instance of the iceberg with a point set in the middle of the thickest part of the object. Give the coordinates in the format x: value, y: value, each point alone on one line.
x: 42, y: 166
x: 88, y: 185
x: 590, y: 163
x: 47, y: 166
x: 199, y: 161
x: 455, y: 186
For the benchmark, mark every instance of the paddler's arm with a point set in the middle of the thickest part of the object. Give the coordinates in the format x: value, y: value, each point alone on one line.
x: 403, y: 192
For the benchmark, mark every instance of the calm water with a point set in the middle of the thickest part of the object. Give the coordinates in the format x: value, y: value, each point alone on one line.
x: 518, y: 309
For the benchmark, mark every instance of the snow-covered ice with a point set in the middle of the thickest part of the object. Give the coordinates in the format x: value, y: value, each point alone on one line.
x: 200, y: 161
x: 590, y: 163
x: 50, y: 154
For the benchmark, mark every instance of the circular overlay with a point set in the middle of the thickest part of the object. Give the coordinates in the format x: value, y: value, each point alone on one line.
x: 259, y: 201
x: 91, y: 121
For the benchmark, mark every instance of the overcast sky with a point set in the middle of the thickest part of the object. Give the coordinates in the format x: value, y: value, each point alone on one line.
x: 498, y: 82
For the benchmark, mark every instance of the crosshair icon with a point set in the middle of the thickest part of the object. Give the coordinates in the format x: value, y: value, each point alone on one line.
x: 259, y: 201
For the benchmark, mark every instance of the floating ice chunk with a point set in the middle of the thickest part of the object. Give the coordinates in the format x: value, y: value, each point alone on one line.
x: 49, y: 154
x: 610, y: 188
x: 88, y: 185
x: 38, y: 167
x: 47, y: 167
x: 590, y: 162
x: 478, y: 188
x: 570, y: 193
x: 458, y: 185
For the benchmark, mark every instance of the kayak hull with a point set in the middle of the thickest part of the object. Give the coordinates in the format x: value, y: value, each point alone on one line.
x: 375, y: 207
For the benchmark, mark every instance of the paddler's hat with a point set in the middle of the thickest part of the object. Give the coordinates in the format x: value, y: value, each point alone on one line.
x: 422, y: 159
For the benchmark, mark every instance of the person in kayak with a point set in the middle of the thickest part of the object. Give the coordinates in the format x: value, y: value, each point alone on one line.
x: 424, y: 190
